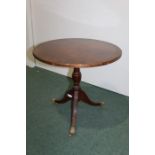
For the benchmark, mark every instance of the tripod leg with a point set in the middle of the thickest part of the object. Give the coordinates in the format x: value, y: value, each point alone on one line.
x: 83, y: 97
x: 73, y: 114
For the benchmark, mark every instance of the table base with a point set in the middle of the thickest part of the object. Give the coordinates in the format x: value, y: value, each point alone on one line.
x: 75, y: 95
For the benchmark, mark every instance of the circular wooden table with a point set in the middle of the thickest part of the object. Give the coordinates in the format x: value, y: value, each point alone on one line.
x: 77, y: 53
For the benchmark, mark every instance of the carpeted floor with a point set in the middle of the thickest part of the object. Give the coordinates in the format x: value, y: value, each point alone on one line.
x: 100, y: 130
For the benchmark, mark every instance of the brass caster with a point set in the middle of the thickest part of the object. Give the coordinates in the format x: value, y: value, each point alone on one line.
x: 102, y: 103
x: 53, y: 100
x: 72, y: 131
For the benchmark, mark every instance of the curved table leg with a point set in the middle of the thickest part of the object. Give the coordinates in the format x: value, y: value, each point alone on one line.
x: 83, y: 97
x: 68, y: 96
x: 74, y: 103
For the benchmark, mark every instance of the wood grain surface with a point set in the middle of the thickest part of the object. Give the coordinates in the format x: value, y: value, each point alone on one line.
x: 77, y: 52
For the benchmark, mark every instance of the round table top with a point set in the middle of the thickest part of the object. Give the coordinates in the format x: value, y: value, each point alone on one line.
x: 77, y: 52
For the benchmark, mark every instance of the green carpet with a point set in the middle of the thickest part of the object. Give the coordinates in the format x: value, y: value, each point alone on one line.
x: 100, y: 130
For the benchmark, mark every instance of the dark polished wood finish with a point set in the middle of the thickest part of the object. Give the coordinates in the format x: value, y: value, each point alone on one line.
x: 77, y: 53
x: 75, y: 95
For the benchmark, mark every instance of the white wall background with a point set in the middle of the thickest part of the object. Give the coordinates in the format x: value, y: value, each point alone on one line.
x: 29, y: 35
x: 97, y: 19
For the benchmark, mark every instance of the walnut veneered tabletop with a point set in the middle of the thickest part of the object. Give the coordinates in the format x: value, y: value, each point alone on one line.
x: 77, y: 53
